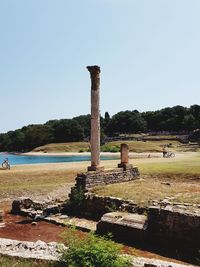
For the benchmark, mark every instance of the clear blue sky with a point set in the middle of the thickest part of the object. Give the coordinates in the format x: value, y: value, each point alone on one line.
x: 148, y: 51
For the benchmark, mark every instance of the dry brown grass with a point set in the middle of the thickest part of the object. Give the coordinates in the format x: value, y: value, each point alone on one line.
x: 182, y: 172
x: 146, y: 190
x: 38, y: 179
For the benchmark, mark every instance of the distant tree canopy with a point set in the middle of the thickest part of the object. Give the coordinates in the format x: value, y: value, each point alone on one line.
x: 175, y: 119
x: 126, y: 122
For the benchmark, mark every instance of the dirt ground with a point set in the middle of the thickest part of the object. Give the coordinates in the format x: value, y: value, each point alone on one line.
x: 21, y: 228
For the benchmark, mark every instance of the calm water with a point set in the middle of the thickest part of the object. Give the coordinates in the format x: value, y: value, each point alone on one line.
x: 23, y: 159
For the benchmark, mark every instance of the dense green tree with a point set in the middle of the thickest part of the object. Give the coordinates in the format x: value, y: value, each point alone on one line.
x: 106, y: 121
x: 67, y: 130
x: 17, y: 141
x: 84, y: 122
x: 126, y: 122
x: 195, y: 111
x: 5, y: 142
x: 174, y: 119
x: 36, y: 135
x: 189, y: 122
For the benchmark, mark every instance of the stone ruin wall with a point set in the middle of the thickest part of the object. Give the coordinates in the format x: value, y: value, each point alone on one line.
x: 91, y: 179
x: 176, y: 226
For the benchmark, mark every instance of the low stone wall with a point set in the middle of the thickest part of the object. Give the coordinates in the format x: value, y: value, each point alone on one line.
x: 96, y: 206
x: 169, y: 228
x: 88, y: 204
x: 36, y: 208
x: 177, y: 226
x: 118, y: 175
x: 125, y: 227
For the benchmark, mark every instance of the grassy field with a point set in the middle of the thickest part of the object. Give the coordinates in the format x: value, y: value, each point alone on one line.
x: 134, y: 146
x: 181, y: 172
x: 36, y: 180
x: 140, y: 146
x: 177, y: 179
x: 64, y: 147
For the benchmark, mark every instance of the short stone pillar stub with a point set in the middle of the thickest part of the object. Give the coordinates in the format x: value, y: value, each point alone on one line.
x: 124, y: 150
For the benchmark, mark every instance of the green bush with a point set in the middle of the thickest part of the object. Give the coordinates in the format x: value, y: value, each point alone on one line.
x: 107, y: 148
x: 92, y: 251
x: 77, y: 196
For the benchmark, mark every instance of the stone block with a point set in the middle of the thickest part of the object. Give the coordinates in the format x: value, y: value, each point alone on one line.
x: 125, y: 227
x: 178, y: 227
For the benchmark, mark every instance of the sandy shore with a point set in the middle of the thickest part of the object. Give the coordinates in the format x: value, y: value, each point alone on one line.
x: 68, y: 154
x: 105, y: 154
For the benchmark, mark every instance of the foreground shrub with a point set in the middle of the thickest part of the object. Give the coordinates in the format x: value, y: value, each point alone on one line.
x: 92, y: 251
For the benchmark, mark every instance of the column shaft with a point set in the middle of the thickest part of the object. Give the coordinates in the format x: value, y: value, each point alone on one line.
x: 95, y: 118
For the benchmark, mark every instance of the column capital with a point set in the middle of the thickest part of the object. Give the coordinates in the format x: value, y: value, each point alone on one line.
x: 94, y: 69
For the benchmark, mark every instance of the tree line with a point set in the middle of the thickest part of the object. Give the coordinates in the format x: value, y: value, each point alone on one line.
x: 174, y: 119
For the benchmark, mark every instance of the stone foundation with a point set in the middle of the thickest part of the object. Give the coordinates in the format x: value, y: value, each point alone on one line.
x: 30, y: 250
x: 96, y: 206
x: 125, y: 227
x: 87, y: 204
x: 35, y: 208
x: 171, y: 228
x: 177, y: 226
x: 91, y: 179
x: 174, y: 229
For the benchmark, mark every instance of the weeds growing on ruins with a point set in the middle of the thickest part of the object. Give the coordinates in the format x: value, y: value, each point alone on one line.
x: 92, y: 251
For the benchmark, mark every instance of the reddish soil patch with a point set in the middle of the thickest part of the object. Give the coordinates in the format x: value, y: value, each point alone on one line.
x: 20, y: 228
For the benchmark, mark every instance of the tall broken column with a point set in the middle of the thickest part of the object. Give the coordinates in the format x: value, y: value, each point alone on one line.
x: 95, y: 118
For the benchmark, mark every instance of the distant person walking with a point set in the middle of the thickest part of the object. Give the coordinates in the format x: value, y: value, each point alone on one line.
x: 6, y: 164
x: 164, y: 151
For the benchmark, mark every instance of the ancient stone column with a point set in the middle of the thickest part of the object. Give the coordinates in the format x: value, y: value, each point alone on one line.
x: 124, y: 150
x: 95, y: 118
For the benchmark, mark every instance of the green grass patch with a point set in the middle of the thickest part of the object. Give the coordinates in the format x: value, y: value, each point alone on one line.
x: 110, y: 148
x: 64, y: 147
x: 6, y: 261
x: 186, y: 166
x: 134, y: 146
x: 147, y: 146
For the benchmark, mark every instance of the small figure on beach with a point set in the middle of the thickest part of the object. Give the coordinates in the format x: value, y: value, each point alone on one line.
x: 164, y: 151
x: 6, y: 164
